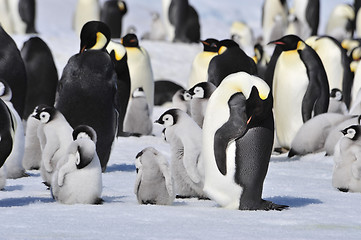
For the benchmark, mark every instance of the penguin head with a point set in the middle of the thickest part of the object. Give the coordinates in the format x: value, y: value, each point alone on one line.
x: 289, y: 43
x: 117, y: 51
x: 258, y: 52
x: 130, y: 40
x: 84, y: 131
x: 202, y: 90
x: 210, y: 45
x: 5, y: 91
x: 336, y: 94
x: 226, y: 44
x: 94, y: 35
x: 352, y: 132
x: 122, y: 6
x: 44, y: 113
x: 169, y: 118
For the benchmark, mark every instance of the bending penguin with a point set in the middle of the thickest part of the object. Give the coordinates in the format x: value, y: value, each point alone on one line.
x: 78, y: 177
x: 153, y: 184
x: 238, y: 134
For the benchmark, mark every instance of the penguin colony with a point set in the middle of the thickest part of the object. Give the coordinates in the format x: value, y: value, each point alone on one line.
x: 299, y: 94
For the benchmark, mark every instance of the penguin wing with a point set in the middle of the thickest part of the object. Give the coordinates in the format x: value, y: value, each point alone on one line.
x: 138, y: 179
x: 164, y: 168
x: 69, y: 166
x: 234, y: 128
x: 356, y: 167
x: 51, y: 146
x: 27, y: 10
x: 317, y: 95
x: 190, y: 160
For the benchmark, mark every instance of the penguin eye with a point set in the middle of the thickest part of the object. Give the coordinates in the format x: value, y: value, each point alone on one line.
x: 187, y: 96
x: 350, y: 133
x: 44, y: 117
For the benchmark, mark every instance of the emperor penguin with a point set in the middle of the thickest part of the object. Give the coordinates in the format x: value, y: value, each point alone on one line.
x: 300, y: 87
x: 274, y: 19
x: 311, y: 136
x: 237, y: 144
x: 164, y: 91
x: 86, y: 10
x: 42, y: 74
x: 7, y: 132
x: 261, y: 58
x: 119, y: 56
x: 336, y: 63
x: 340, y: 23
x: 2, y: 177
x: 12, y: 70
x: 86, y: 94
x: 55, y: 136
x: 14, y: 167
x: 357, y: 6
x: 200, y: 94
x: 346, y: 175
x: 138, y: 119
x: 337, y: 104
x: 307, y: 14
x: 140, y: 68
x: 78, y: 177
x: 94, y: 35
x: 242, y: 34
x: 157, y: 29
x: 199, y: 69
x: 32, y: 149
x: 153, y: 184
x: 23, y: 14
x: 185, y: 139
x: 230, y: 59
x: 335, y: 133
x: 182, y: 21
x: 5, y: 17
x: 112, y: 13
x: 181, y: 100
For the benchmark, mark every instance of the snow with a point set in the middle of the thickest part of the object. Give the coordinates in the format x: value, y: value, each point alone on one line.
x: 317, y: 210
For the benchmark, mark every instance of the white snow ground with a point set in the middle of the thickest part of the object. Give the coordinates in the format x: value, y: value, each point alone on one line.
x: 317, y: 210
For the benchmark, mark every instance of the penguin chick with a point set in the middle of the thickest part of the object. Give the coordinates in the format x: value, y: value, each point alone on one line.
x: 337, y: 105
x: 181, y: 100
x: 138, y: 118
x: 157, y: 29
x: 94, y: 35
x: 54, y: 134
x: 347, y: 161
x: 185, y: 139
x: 78, y: 177
x: 32, y: 151
x: 153, y: 184
x: 200, y: 94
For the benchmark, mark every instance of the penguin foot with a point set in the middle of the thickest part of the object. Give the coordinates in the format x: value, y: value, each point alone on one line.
x: 47, y: 184
x: 183, y: 196
x: 280, y: 150
x: 292, y: 153
x: 128, y: 134
x: 99, y: 201
x: 268, y: 205
x: 203, y: 198
x: 343, y: 189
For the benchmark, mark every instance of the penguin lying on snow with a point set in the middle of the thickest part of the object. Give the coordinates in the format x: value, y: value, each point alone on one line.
x: 238, y: 134
x: 347, y: 169
x: 154, y: 184
x: 78, y: 177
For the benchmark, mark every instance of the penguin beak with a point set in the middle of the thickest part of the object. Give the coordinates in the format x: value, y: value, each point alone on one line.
x: 83, y: 49
x: 159, y: 121
x: 344, y: 132
x: 249, y: 119
x: 276, y: 42
x: 36, y: 116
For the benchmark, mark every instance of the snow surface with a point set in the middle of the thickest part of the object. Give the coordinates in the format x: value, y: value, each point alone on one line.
x: 317, y: 210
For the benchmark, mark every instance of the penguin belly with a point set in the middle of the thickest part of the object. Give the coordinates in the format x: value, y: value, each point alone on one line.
x: 289, y: 87
x: 199, y: 71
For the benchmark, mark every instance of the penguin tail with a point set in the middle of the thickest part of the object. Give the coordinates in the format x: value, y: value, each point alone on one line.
x: 99, y: 201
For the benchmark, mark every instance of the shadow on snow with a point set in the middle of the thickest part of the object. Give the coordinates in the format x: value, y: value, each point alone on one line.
x: 19, y: 202
x: 293, y: 201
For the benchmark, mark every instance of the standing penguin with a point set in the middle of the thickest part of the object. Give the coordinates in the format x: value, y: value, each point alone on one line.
x: 138, y: 119
x: 185, y: 139
x: 112, y: 14
x: 200, y: 93
x: 337, y: 104
x: 22, y: 13
x: 237, y: 143
x: 181, y: 100
x: 42, y: 74
x: 32, y: 151
x: 300, y: 87
x: 340, y: 23
x: 12, y: 70
x: 261, y: 58
x: 7, y: 129
x: 153, y: 184
x: 242, y: 34
x: 54, y: 134
x: 14, y: 167
x: 5, y: 17
x: 199, y: 70
x: 119, y: 56
x: 86, y: 10
x: 87, y: 95
x: 78, y: 177
x: 231, y: 59
x: 140, y: 68
x: 347, y: 169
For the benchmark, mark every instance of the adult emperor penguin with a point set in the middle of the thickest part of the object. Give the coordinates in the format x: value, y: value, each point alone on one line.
x: 182, y: 21
x: 340, y: 23
x: 200, y: 93
x: 307, y: 14
x: 153, y: 184
x: 7, y: 129
x: 12, y: 70
x: 238, y: 138
x: 231, y: 59
x: 22, y: 13
x: 300, y: 87
x: 112, y: 14
x: 119, y: 56
x: 94, y: 35
x: 86, y: 10
x: 14, y: 167
x: 336, y: 63
x: 78, y: 177
x: 86, y: 95
x: 138, y: 119
x: 346, y: 175
x: 140, y: 68
x: 5, y: 17
x: 199, y: 69
x: 54, y: 134
x: 274, y: 19
x: 242, y: 34
x: 261, y: 58
x: 42, y: 74
x: 185, y: 139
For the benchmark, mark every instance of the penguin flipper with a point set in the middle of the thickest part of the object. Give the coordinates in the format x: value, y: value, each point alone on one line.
x: 235, y: 127
x: 164, y: 168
